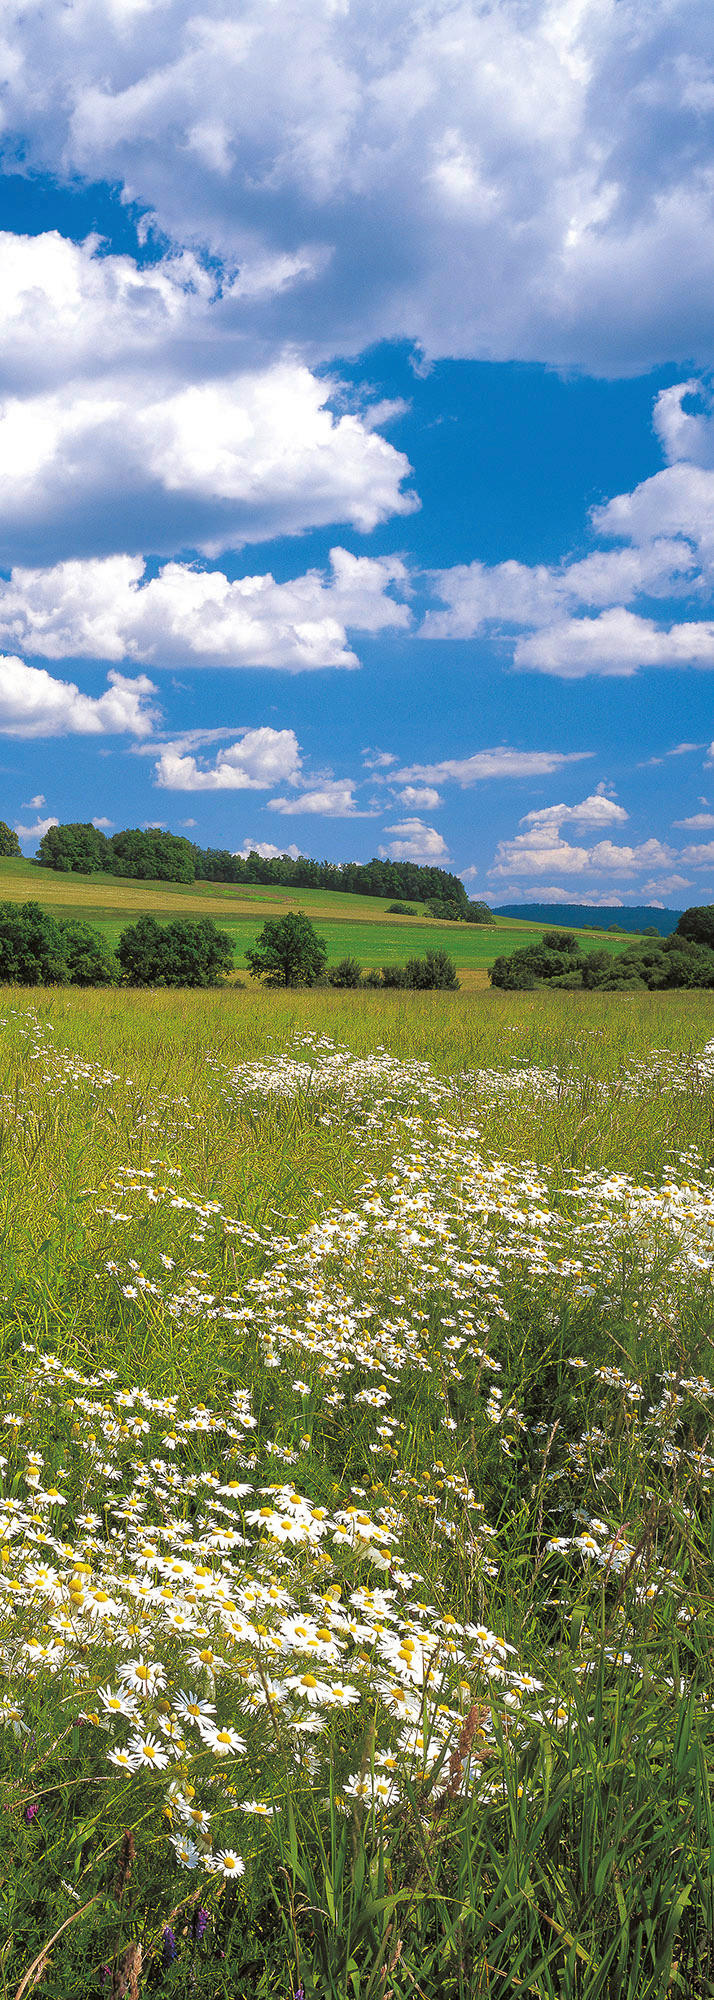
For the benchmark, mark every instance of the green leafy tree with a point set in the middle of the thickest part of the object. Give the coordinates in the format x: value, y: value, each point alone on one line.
x: 31, y: 946
x: 479, y: 913
x: 189, y: 952
x: 150, y: 854
x: 75, y: 849
x: 697, y: 924
x: 288, y: 952
x: 9, y: 843
x: 87, y: 956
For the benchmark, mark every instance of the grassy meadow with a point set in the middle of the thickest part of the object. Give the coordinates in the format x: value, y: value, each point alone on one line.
x: 353, y: 926
x: 356, y: 1529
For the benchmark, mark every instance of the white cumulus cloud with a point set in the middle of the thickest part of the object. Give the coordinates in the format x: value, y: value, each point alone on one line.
x: 266, y: 850
x: 124, y: 461
x: 594, y: 615
x: 33, y: 703
x: 596, y: 811
x: 259, y: 759
x: 334, y: 798
x: 107, y: 608
x: 413, y: 840
x: 423, y: 798
x: 510, y: 156
x: 542, y: 851
x: 34, y: 833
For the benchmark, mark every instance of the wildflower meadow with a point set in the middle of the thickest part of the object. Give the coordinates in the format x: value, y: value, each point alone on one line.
x: 356, y: 1532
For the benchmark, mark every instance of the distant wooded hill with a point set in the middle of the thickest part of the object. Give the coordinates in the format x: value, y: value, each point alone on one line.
x: 582, y: 916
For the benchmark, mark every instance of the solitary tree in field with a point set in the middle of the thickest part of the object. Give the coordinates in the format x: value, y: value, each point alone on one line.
x: 288, y: 952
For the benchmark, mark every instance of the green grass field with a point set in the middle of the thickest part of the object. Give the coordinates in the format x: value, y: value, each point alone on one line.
x: 356, y: 1530
x: 354, y: 926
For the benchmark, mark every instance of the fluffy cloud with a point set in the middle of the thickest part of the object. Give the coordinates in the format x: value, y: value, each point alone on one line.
x: 511, y: 593
x: 701, y: 856
x: 667, y: 885
x: 501, y: 763
x: 259, y: 759
x: 104, y: 608
x: 511, y: 157
x: 414, y: 841
x: 128, y: 461
x: 137, y: 411
x: 576, y: 618
x: 36, y: 832
x: 596, y: 811
x: 422, y: 797
x: 266, y: 850
x: 616, y: 643
x: 33, y: 703
x: 541, y: 850
x: 69, y: 309
x: 335, y: 798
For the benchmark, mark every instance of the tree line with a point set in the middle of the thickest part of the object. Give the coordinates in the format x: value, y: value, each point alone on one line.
x: 151, y: 854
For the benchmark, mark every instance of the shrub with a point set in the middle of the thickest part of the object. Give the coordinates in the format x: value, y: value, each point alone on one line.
x: 9, y: 843
x: 189, y: 952
x: 400, y: 910
x: 347, y: 972
x: 478, y: 913
x: 445, y: 910
x: 288, y: 952
x: 435, y: 972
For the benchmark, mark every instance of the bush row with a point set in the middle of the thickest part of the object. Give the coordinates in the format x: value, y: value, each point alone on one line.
x: 684, y: 959
x: 37, y: 949
x: 435, y: 972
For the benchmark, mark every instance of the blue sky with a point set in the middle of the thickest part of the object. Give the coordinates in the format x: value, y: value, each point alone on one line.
x: 357, y: 433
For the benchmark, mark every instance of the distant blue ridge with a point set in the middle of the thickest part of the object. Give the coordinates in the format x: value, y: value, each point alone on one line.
x: 582, y: 916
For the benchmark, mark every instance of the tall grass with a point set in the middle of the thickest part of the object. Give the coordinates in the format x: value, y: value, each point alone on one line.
x: 474, y: 1307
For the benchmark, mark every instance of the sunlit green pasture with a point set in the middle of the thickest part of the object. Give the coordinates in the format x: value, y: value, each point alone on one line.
x: 471, y: 1303
x: 353, y: 926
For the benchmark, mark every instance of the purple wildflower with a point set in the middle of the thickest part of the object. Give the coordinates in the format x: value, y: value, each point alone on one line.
x: 200, y: 1922
x: 30, y: 1814
x: 169, y: 1946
